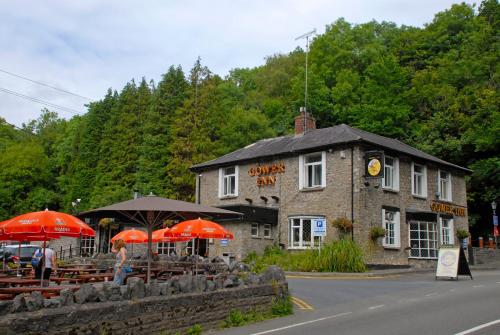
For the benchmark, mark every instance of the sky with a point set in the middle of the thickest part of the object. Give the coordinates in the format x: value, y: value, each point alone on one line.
x: 88, y: 46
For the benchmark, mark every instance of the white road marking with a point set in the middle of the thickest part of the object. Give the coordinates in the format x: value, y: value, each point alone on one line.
x: 302, y: 323
x: 476, y: 286
x: 378, y: 306
x: 498, y: 282
x: 452, y: 290
x: 430, y: 294
x: 484, y: 325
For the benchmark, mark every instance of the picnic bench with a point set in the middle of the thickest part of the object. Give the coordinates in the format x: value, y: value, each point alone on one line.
x: 17, y: 282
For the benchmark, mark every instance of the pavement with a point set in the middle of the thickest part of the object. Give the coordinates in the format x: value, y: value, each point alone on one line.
x: 377, y: 273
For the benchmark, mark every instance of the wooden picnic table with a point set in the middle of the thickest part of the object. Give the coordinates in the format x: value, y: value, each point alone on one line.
x: 73, y: 272
x: 16, y: 282
x: 94, y: 277
x: 78, y: 266
x: 47, y: 292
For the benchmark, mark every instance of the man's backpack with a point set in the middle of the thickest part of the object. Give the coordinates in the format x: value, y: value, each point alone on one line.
x: 37, y: 259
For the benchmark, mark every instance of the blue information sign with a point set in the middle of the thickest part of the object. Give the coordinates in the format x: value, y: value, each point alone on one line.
x: 224, y: 242
x: 495, y: 220
x: 319, y: 227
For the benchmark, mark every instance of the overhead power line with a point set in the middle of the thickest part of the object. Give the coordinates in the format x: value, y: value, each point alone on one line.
x: 46, y: 85
x: 40, y: 101
x: 21, y: 129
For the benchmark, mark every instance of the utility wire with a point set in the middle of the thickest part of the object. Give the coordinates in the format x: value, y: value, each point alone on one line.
x: 46, y: 85
x: 21, y: 129
x: 40, y: 101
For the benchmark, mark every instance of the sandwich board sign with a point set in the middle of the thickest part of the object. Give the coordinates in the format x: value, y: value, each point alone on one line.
x: 452, y: 263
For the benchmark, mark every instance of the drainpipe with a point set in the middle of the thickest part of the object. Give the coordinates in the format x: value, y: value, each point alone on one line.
x: 352, y: 192
x: 198, y: 188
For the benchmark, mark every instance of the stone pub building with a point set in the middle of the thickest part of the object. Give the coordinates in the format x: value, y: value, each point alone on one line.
x: 283, y: 184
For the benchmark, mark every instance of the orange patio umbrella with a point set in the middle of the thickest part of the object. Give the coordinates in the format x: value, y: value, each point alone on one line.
x: 159, y: 236
x: 131, y: 236
x: 199, y: 228
x: 44, y: 225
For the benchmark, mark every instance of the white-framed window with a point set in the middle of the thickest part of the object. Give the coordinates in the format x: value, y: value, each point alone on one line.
x: 419, y: 180
x: 228, y: 181
x: 446, y: 231
x: 87, y: 245
x: 391, y: 174
x: 254, y: 230
x: 423, y: 239
x: 312, y: 170
x: 391, y: 224
x: 444, y: 185
x: 300, y: 233
x: 166, y: 248
x: 267, y: 230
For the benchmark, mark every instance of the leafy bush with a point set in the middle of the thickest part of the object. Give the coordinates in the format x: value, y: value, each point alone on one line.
x: 462, y: 233
x: 344, y: 225
x: 282, y: 307
x: 194, y: 330
x: 376, y: 232
x: 338, y: 256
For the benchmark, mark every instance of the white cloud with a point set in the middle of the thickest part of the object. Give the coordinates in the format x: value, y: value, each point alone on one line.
x: 89, y: 46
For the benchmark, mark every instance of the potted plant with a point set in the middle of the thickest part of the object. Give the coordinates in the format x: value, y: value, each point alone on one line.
x: 343, y: 225
x: 377, y: 234
x: 463, y: 236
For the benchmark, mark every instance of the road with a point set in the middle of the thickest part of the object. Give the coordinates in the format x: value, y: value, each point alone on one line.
x: 406, y: 304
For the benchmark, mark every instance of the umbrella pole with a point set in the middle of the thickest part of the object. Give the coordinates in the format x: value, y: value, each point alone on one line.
x: 18, y: 274
x: 43, y: 261
x: 150, y: 246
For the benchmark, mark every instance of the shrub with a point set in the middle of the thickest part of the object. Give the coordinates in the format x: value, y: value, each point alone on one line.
x: 376, y: 232
x: 462, y: 233
x: 282, y: 307
x: 344, y: 225
x: 194, y: 330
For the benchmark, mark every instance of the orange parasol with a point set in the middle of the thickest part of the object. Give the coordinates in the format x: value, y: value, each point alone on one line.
x: 199, y: 228
x: 131, y: 236
x: 46, y: 223
x: 159, y: 236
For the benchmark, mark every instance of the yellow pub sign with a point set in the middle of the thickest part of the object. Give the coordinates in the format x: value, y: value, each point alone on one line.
x: 447, y: 209
x: 266, y: 174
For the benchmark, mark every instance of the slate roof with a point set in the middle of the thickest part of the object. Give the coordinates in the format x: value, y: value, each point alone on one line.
x: 316, y: 139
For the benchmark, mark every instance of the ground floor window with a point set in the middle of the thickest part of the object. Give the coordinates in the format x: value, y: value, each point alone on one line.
x: 255, y: 230
x: 423, y: 239
x: 446, y: 231
x: 87, y: 246
x: 166, y: 248
x: 267, y: 231
x: 299, y: 233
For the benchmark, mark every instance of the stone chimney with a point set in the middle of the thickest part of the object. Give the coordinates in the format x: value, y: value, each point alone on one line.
x: 304, y: 122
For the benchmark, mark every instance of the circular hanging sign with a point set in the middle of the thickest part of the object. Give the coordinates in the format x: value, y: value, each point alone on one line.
x: 374, y: 167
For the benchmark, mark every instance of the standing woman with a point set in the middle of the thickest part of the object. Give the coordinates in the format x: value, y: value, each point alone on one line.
x: 121, y: 257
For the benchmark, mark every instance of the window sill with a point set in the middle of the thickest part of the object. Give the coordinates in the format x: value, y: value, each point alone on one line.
x: 390, y: 247
x: 449, y: 201
x: 312, y: 189
x: 424, y: 258
x: 228, y: 197
x: 390, y: 190
x: 420, y: 197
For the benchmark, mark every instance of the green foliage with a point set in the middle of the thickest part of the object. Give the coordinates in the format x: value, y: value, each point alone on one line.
x: 344, y: 225
x: 338, y: 256
x: 283, y: 306
x: 435, y: 88
x: 377, y: 232
x: 194, y: 330
x: 462, y: 233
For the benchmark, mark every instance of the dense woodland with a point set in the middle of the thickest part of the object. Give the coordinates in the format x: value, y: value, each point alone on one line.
x: 436, y: 88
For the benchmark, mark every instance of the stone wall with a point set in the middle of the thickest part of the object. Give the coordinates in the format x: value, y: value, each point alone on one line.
x: 488, y: 257
x: 151, y: 315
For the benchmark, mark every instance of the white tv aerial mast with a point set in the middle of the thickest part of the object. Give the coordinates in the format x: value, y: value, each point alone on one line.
x: 306, y: 36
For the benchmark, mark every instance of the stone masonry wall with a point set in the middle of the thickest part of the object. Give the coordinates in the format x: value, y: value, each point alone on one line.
x: 151, y: 315
x: 334, y: 200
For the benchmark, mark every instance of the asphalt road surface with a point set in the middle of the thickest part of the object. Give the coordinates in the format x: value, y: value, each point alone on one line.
x: 406, y: 304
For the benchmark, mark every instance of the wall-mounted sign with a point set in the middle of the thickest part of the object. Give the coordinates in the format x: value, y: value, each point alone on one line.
x: 447, y: 209
x: 266, y: 174
x: 374, y: 164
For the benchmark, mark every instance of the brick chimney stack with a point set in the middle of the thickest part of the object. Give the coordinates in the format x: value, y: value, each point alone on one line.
x: 304, y: 122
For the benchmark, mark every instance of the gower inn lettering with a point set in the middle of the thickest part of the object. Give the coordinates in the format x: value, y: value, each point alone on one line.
x: 266, y: 174
x: 447, y: 209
